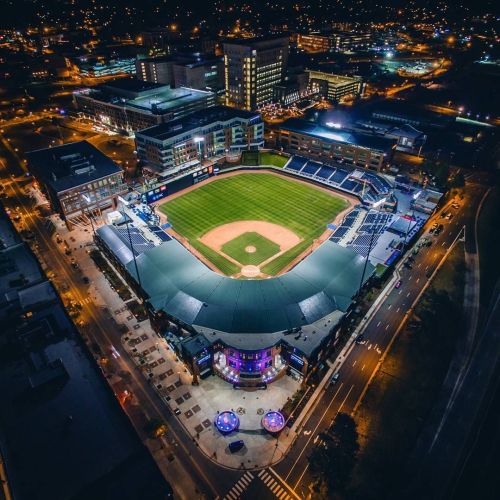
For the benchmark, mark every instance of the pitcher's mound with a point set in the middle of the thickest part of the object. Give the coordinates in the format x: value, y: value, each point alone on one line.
x: 250, y: 249
x: 250, y: 271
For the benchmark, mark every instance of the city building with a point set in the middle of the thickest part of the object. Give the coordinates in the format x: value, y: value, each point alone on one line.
x: 351, y: 41
x: 199, y: 74
x: 335, y: 87
x: 58, y: 413
x: 184, y: 143
x: 332, y: 144
x: 77, y: 179
x: 155, y: 70
x: 252, y: 68
x: 128, y: 105
x: 112, y: 67
x: 314, y: 42
x: 286, y: 93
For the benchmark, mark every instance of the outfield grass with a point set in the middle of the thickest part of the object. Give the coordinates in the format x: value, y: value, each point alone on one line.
x: 301, y: 208
x: 264, y: 248
x: 267, y: 158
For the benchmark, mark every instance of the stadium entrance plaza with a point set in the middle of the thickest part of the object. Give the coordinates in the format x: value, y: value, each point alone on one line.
x: 198, y: 405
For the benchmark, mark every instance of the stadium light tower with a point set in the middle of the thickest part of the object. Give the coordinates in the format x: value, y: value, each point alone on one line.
x: 198, y: 140
x: 415, y: 198
x: 372, y: 237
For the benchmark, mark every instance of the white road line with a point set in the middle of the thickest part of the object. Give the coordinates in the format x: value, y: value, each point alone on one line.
x: 386, y: 326
x: 363, y: 367
x: 268, y: 481
x: 354, y: 362
x: 400, y: 292
x: 419, y: 264
x: 397, y: 310
x: 338, y: 411
x: 409, y: 278
x: 408, y: 294
x: 378, y: 324
x: 418, y: 279
x: 263, y: 471
x: 238, y: 488
x: 313, y: 433
x: 390, y: 305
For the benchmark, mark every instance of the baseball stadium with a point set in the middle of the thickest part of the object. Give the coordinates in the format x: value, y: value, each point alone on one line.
x: 241, y: 266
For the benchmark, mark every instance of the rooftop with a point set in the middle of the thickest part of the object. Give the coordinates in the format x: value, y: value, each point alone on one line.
x: 185, y: 288
x: 337, y: 135
x: 196, y: 120
x: 70, y: 165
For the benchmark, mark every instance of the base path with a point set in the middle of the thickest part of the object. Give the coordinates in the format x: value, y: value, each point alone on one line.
x: 280, y: 235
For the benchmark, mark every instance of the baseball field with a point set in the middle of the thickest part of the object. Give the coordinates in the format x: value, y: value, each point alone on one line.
x: 252, y: 224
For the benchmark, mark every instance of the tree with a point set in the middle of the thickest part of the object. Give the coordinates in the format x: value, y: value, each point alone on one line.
x: 332, y: 461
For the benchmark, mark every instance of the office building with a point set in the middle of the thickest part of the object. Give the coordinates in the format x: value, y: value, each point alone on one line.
x: 77, y: 179
x: 128, y: 105
x: 351, y: 41
x: 335, y: 87
x: 314, y: 42
x: 252, y: 68
x: 199, y: 74
x: 155, y: 70
x: 331, y: 144
x: 184, y: 143
x: 112, y: 67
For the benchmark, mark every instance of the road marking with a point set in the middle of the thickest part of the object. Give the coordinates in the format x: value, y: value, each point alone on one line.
x: 314, y: 431
x: 390, y: 305
x: 426, y: 267
x: 263, y: 471
x: 419, y: 264
x: 386, y: 326
x: 284, y: 483
x: 316, y: 439
x: 443, y: 244
x: 369, y: 346
x: 354, y: 362
x: 375, y: 346
x: 397, y: 310
x: 338, y: 411
x: 408, y: 294
x: 418, y: 279
x: 409, y: 278
x: 400, y: 292
x: 363, y: 367
x: 378, y: 324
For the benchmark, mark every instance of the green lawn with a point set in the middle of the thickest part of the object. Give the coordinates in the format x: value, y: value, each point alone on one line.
x: 264, y: 248
x: 267, y: 158
x: 303, y: 209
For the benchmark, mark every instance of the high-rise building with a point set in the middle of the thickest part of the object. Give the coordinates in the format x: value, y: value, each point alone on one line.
x: 252, y: 67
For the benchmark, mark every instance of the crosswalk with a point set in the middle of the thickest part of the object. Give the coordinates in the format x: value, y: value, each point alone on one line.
x: 237, y: 490
x: 276, y: 488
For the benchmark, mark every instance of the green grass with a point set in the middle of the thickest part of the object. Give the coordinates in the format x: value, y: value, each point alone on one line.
x: 267, y: 158
x: 303, y: 209
x: 264, y: 248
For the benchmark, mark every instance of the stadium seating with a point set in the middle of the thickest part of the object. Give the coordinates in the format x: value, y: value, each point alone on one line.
x: 311, y: 168
x: 339, y: 176
x: 325, y: 172
x: 296, y: 163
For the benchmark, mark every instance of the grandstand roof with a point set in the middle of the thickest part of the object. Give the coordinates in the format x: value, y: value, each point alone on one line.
x: 338, y: 136
x: 185, y: 288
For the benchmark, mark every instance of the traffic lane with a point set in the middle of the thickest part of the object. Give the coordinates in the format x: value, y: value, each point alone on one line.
x: 60, y: 264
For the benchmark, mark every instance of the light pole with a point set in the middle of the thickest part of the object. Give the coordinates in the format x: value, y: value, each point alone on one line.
x: 375, y: 205
x: 198, y: 140
x: 87, y: 199
x: 415, y: 197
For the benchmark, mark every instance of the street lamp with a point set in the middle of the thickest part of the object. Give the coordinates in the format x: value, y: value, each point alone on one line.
x: 374, y: 206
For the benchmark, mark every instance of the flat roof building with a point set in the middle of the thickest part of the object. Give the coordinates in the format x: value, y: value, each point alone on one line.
x: 128, y: 105
x: 77, y: 178
x: 184, y: 143
x: 302, y: 137
x: 252, y: 67
x: 335, y: 87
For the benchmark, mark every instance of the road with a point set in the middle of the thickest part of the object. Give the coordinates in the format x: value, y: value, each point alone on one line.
x: 361, y: 362
x: 290, y: 478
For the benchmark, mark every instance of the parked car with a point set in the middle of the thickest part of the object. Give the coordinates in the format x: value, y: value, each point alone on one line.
x: 334, y: 378
x: 398, y: 284
x: 360, y: 338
